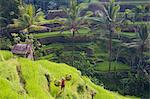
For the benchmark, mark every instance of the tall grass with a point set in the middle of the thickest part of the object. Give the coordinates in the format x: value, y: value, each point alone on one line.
x: 35, y: 84
x: 5, y: 55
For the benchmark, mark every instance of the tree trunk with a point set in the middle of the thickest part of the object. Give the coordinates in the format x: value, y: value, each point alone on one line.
x: 73, y: 34
x: 110, y: 47
x: 141, y: 53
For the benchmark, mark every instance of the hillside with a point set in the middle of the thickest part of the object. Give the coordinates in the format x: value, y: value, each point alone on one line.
x: 21, y: 78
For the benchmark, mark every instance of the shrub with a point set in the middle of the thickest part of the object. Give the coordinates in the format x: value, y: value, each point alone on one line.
x: 5, y: 44
x: 80, y: 88
x: 68, y: 77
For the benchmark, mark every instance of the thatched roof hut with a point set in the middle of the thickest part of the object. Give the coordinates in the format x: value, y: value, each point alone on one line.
x: 25, y: 50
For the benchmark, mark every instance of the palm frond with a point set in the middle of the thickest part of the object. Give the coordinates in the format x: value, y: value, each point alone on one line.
x: 39, y: 16
x: 143, y: 32
x: 100, y: 20
x: 115, y: 10
x: 30, y: 10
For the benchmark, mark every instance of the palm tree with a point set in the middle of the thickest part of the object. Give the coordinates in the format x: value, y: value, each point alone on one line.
x: 28, y: 18
x: 74, y: 21
x: 108, y: 17
x: 140, y: 11
x: 143, y: 35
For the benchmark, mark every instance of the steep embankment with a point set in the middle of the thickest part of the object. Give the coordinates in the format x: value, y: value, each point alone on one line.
x: 21, y: 78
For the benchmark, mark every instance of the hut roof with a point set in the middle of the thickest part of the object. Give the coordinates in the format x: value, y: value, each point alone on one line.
x: 21, y: 49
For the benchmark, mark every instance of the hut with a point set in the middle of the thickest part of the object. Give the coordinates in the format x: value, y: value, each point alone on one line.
x: 24, y: 50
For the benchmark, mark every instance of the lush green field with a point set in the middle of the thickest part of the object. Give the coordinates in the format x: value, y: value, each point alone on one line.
x: 5, y: 55
x: 65, y: 33
x: 98, y: 54
x: 30, y: 82
x: 115, y: 66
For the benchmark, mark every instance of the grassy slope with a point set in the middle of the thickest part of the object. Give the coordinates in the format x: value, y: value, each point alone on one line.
x: 36, y: 83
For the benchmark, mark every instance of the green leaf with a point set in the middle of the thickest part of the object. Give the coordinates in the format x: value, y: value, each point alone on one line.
x: 97, y: 19
x: 115, y: 10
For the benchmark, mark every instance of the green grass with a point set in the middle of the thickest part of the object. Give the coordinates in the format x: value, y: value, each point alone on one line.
x: 47, y: 57
x: 128, y: 34
x: 36, y: 84
x: 5, y: 55
x: 52, y: 46
x: 57, y: 33
x: 104, y: 66
x: 147, y: 54
x: 63, y: 45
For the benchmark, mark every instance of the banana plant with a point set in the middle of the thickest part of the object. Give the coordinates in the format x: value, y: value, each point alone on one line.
x: 108, y: 17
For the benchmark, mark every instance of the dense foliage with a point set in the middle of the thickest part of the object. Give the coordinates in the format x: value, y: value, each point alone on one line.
x: 8, y: 11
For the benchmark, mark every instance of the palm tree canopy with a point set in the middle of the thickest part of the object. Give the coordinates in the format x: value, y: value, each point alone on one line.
x: 28, y: 16
x: 74, y: 20
x: 108, y: 13
x: 143, y: 32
